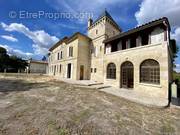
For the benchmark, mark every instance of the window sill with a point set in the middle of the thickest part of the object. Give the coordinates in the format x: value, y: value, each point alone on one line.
x: 151, y: 85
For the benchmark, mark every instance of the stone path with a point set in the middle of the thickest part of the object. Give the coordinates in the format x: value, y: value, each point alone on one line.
x: 137, y: 97
x: 121, y: 92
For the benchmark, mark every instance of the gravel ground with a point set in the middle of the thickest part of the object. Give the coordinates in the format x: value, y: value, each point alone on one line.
x: 40, y: 105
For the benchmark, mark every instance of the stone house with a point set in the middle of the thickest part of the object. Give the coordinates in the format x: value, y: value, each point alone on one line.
x: 35, y: 66
x: 139, y: 59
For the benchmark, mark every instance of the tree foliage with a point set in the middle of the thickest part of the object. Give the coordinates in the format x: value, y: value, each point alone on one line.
x: 11, y: 63
x: 175, y: 50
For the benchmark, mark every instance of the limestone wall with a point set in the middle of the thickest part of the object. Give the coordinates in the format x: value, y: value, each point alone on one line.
x: 54, y: 64
x: 80, y: 57
x: 158, y: 52
x: 105, y: 30
x: 38, y: 68
x: 84, y: 58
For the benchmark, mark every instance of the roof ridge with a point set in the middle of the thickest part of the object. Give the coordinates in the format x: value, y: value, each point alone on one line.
x: 68, y: 39
x: 138, y: 27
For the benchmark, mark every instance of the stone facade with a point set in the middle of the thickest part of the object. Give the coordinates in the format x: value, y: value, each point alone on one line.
x: 105, y: 43
x: 37, y: 67
x: 58, y: 63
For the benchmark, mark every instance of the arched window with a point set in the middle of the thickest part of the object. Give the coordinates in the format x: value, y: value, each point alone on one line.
x: 111, y: 71
x: 150, y: 71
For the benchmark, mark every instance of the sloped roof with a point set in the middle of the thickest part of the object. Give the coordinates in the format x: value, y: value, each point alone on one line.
x: 139, y: 28
x: 68, y: 40
x: 75, y: 36
x: 58, y: 43
x: 106, y: 14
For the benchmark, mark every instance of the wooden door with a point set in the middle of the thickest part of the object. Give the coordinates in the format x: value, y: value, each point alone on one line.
x: 127, y: 75
x: 69, y: 71
x: 81, y: 72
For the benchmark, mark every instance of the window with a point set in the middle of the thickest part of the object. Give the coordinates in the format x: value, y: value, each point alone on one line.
x: 111, y: 71
x: 61, y: 55
x: 91, y: 70
x: 58, y: 56
x: 150, y: 72
x: 96, y: 32
x: 70, y: 51
x: 94, y: 70
x: 60, y: 67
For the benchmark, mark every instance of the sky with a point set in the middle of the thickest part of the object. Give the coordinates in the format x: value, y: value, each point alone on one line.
x: 29, y: 28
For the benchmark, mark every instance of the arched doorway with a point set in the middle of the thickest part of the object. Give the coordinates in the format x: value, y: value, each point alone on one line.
x: 127, y: 75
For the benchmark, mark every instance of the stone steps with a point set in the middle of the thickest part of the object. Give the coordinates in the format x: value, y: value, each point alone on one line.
x: 94, y: 84
x: 99, y: 86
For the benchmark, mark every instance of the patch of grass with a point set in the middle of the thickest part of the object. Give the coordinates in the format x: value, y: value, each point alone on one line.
x: 52, y: 128
x: 62, y: 131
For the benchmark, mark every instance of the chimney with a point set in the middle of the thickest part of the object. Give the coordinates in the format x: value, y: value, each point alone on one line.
x: 90, y: 22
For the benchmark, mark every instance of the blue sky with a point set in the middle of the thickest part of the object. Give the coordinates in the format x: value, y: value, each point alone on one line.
x: 31, y: 37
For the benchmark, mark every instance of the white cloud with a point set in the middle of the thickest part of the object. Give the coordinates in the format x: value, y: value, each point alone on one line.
x: 176, y: 34
x: 19, y: 53
x: 40, y: 38
x: 9, y: 37
x: 153, y: 9
x: 90, y: 6
x: 177, y: 69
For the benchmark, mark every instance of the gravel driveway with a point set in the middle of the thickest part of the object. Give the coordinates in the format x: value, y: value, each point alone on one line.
x: 40, y: 105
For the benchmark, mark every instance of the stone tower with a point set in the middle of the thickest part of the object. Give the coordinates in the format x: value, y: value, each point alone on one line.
x: 102, y: 28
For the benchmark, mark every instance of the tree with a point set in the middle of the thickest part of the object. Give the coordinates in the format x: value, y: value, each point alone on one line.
x: 11, y: 63
x: 174, y: 49
x: 17, y: 63
x: 4, y: 59
x: 2, y: 51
